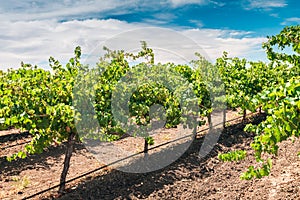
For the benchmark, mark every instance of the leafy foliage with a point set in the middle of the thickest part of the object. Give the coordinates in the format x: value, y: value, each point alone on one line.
x: 42, y: 102
x: 274, y: 88
x: 288, y: 37
x: 233, y: 156
x: 282, y: 104
x: 259, y: 172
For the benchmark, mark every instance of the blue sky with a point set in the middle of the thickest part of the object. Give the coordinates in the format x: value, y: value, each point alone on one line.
x: 31, y: 31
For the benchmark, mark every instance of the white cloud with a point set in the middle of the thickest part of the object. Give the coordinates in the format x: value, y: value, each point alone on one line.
x: 177, y: 3
x: 215, y: 41
x: 276, y: 15
x: 198, y: 23
x: 217, y: 3
x: 291, y: 20
x: 39, y: 9
x: 160, y: 19
x: 34, y: 41
x: 265, y: 5
x: 14, y: 10
x: 165, y: 16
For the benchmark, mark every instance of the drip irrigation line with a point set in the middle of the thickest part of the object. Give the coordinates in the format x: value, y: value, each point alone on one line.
x: 84, y: 174
x: 120, y: 160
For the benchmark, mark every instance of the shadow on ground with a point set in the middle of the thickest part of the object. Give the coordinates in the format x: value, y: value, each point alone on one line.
x: 121, y: 185
x: 36, y: 161
x: 14, y: 136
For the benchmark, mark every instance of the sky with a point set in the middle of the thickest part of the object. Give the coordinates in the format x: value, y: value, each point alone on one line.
x: 32, y: 31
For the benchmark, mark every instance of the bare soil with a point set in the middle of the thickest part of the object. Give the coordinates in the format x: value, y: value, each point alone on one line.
x: 189, y: 177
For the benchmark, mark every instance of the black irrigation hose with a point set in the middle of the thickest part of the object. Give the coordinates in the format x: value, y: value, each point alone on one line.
x: 115, y: 162
x: 85, y: 174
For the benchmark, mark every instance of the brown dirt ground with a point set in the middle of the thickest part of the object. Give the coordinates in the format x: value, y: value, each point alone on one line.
x: 188, y: 178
